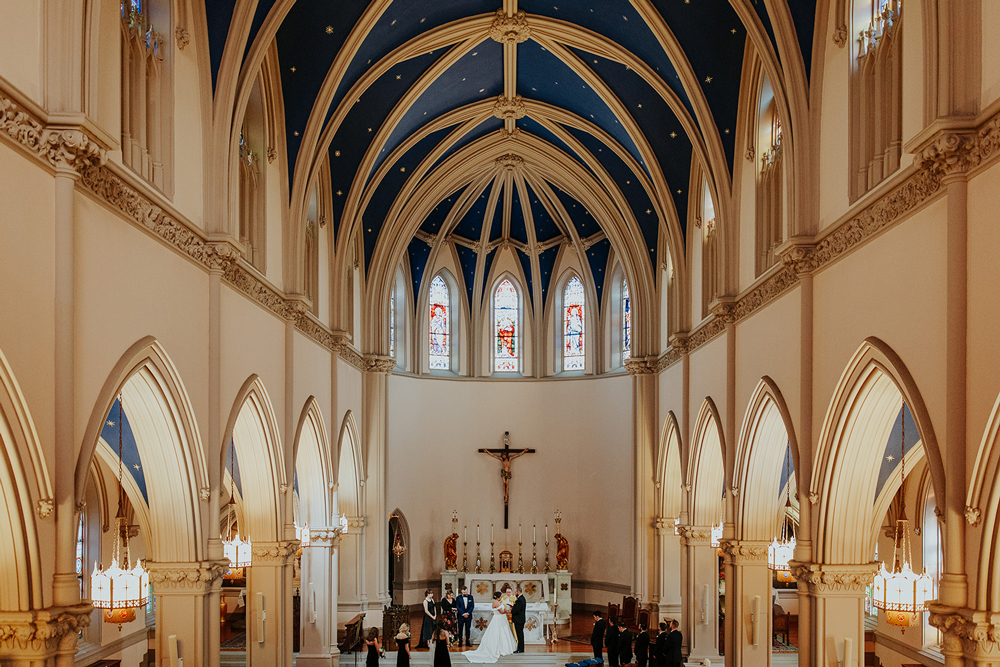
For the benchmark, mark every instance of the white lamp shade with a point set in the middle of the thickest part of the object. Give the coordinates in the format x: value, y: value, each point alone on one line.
x: 902, y: 595
x: 238, y: 552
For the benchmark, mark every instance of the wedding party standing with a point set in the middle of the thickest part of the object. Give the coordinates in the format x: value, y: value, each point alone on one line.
x: 498, y: 640
x: 642, y: 645
x: 517, y: 618
x: 611, y: 640
x: 448, y: 614
x: 403, y: 645
x: 672, y: 647
x: 442, y: 658
x: 597, y: 636
x: 430, y: 619
x: 464, y: 606
x: 374, y: 648
x: 625, y: 646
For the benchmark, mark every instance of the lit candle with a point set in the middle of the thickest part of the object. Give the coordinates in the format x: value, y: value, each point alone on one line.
x: 534, y: 537
x: 477, y: 533
x: 518, y: 533
x: 491, y: 533
x: 546, y: 533
x: 465, y: 534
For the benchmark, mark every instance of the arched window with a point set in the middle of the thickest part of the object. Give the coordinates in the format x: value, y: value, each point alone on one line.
x: 80, y: 556
x: 506, y: 328
x: 626, y: 322
x: 392, y: 324
x: 440, y: 304
x: 573, y: 325
x: 932, y: 557
x: 142, y: 62
x: 769, y: 181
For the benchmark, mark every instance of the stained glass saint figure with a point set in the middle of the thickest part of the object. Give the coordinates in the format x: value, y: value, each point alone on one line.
x: 440, y: 356
x: 505, y: 312
x: 626, y: 323
x: 573, y: 351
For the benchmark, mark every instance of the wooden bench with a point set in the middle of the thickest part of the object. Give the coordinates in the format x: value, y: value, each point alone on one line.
x: 353, y: 634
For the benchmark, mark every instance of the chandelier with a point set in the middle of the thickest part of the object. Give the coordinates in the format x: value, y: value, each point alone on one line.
x: 902, y: 594
x: 780, y: 553
x: 717, y: 536
x: 120, y: 589
x: 237, y: 551
x: 398, y: 548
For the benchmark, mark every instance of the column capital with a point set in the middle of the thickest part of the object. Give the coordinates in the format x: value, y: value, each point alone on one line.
x: 274, y: 554
x: 665, y: 525
x: 186, y: 578
x: 745, y: 552
x: 355, y: 525
x: 34, y: 635
x: 826, y: 578
x: 641, y: 365
x: 695, y: 536
x: 325, y: 536
x: 376, y: 363
x: 972, y: 632
x: 951, y: 152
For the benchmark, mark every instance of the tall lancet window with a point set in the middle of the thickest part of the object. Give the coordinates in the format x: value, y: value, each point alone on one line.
x: 506, y: 328
x: 142, y: 62
x: 440, y: 323
x: 573, y: 322
x: 392, y: 323
x: 626, y: 322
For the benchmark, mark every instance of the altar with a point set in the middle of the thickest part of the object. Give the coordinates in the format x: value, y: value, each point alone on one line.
x: 548, y: 597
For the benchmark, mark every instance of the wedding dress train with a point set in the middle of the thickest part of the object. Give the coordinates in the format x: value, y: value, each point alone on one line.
x: 498, y: 640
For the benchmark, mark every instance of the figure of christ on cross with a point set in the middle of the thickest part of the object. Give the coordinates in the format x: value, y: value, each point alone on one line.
x: 505, y: 456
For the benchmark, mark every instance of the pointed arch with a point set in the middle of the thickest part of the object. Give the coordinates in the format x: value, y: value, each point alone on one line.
x: 706, y: 467
x: 166, y: 435
x: 670, y: 477
x: 402, y: 526
x: 844, y: 475
x: 253, y: 431
x: 350, y: 468
x: 312, y: 465
x: 982, y: 507
x: 23, y: 491
x: 766, y: 435
x: 507, y: 325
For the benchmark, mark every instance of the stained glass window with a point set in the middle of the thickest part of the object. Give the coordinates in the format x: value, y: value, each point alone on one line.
x: 392, y: 324
x: 79, y: 553
x: 626, y: 322
x: 440, y: 343
x: 506, y: 329
x: 573, y: 352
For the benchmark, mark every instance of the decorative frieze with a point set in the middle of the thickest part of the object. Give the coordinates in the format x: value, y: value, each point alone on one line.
x: 33, y: 635
x: 61, y: 148
x: 274, y: 553
x: 694, y: 535
x: 199, y: 576
x: 745, y: 553
x: 326, y: 536
x: 639, y: 366
x: 821, y: 578
x: 510, y: 29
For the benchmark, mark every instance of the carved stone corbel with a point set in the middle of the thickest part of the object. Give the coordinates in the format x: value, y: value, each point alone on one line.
x: 374, y: 363
x: 510, y: 29
x: 639, y: 366
x: 182, y: 36
x: 510, y: 161
x: 506, y: 108
x: 951, y: 153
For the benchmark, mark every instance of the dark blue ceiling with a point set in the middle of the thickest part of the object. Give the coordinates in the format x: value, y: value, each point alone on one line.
x: 130, y: 452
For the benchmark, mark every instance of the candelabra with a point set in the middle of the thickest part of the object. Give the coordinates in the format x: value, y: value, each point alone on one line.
x: 520, y: 563
x: 546, y: 554
x: 479, y: 561
x: 465, y: 556
x: 534, y: 557
x: 493, y: 567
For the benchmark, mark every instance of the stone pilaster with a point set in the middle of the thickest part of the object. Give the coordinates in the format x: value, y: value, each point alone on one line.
x: 375, y: 566
x: 187, y: 608
x: 646, y: 421
x: 319, y: 599
x: 700, y: 572
x: 836, y: 609
x: 269, y: 604
x: 668, y: 559
x: 748, y: 603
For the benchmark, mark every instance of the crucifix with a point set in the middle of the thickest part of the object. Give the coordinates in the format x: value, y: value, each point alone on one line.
x: 505, y: 456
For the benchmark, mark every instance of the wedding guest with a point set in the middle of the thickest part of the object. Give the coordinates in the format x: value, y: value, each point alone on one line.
x: 625, y: 646
x: 660, y: 645
x: 374, y: 648
x: 464, y: 607
x: 448, y: 614
x: 597, y: 636
x: 672, y: 651
x: 642, y: 645
x: 430, y: 619
x: 611, y: 641
x: 403, y: 645
x: 441, y: 656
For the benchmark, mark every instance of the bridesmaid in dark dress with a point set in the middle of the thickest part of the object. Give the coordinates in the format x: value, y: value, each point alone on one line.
x: 430, y: 618
x: 441, y: 656
x: 374, y: 648
x: 403, y: 642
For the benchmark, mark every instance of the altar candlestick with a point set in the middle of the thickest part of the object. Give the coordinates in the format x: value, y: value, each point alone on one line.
x: 534, y: 538
x: 465, y: 534
x: 491, y: 533
x: 518, y: 533
x: 477, y: 532
x: 546, y: 533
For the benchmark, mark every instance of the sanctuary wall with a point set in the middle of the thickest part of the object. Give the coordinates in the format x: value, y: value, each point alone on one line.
x: 582, y: 432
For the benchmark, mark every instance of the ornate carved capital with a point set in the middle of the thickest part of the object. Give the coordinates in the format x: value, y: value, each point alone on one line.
x: 799, y: 256
x: 639, y: 366
x: 972, y: 515
x: 840, y: 36
x: 62, y: 148
x: 220, y: 256
x: 195, y: 577
x: 664, y: 525
x: 971, y: 631
x: 745, y: 553
x: 506, y: 108
x: 510, y: 29
x: 374, y: 363
x: 821, y: 578
x: 325, y: 536
x: 695, y: 534
x: 44, y: 507
x: 33, y: 635
x: 510, y: 161
x: 725, y: 309
x: 204, y: 494
x: 951, y: 153
x: 274, y: 553
x: 182, y: 36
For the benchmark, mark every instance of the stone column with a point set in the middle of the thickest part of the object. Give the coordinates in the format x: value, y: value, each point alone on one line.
x: 375, y: 394
x: 644, y: 410
x: 352, y: 598
x: 269, y: 604
x: 701, y: 594
x: 43, y: 637
x: 836, y: 611
x: 187, y: 608
x: 319, y: 599
x: 971, y: 636
x: 748, y: 603
x: 668, y: 558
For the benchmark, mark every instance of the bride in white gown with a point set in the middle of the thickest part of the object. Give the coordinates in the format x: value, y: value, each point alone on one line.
x: 498, y: 640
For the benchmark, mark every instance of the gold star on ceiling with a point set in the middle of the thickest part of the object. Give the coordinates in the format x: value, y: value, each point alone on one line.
x: 673, y: 135
x: 398, y: 77
x: 340, y: 193
x: 678, y: 192
x: 726, y: 130
x: 329, y: 29
x: 708, y: 79
x: 136, y: 466
x: 296, y: 133
x: 369, y: 129
x: 110, y: 423
x: 336, y: 153
x: 293, y: 69
x: 890, y: 458
x: 733, y: 31
x: 648, y: 211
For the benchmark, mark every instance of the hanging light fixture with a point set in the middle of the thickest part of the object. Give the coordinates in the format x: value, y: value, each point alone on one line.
x: 237, y: 551
x: 120, y: 589
x: 902, y: 594
x: 398, y: 548
x: 717, y: 536
x: 780, y: 553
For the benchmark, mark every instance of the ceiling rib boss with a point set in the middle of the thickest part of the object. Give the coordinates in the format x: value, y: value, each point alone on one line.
x: 510, y: 29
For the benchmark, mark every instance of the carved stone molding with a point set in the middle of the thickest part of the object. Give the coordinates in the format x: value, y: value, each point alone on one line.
x: 249, y: 284
x: 821, y: 578
x: 44, y: 507
x: 840, y: 36
x: 355, y: 525
x: 951, y: 153
x: 510, y: 29
x: 182, y: 36
x: 34, y: 635
x: 196, y: 577
x: 664, y: 525
x: 272, y: 155
x: 344, y: 349
x: 725, y: 311
x: 745, y: 553
x: 326, y: 536
x: 510, y: 161
x: 62, y: 148
x: 972, y: 515
x: 375, y: 363
x: 799, y: 256
x: 639, y: 367
x: 703, y: 334
x: 972, y: 631
x: 274, y: 553
x: 695, y: 534
x: 205, y: 494
x: 506, y: 108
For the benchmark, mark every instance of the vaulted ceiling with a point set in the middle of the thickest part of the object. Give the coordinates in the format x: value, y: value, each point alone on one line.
x: 391, y: 91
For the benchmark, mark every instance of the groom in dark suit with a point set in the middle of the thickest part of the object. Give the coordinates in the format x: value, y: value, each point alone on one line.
x: 517, y: 617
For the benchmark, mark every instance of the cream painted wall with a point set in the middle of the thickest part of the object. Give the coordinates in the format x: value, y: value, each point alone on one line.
x: 990, y: 65
x: 583, y: 466
x: 833, y: 128
x: 708, y: 379
x: 189, y: 139
x: 21, y: 47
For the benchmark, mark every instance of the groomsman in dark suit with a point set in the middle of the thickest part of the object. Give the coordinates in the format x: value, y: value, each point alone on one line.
x: 642, y: 646
x: 625, y: 646
x: 672, y: 651
x: 660, y: 646
x: 611, y: 641
x: 597, y: 636
x: 465, y: 604
x: 517, y: 618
